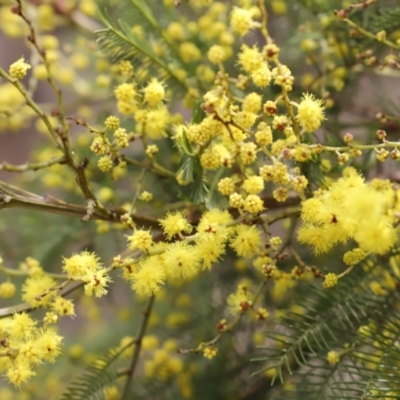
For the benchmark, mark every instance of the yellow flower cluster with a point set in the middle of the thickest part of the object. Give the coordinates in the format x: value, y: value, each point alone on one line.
x: 24, y: 346
x: 210, y: 352
x: 86, y: 267
x: 241, y: 300
x: 338, y: 214
x: 163, y: 363
x: 183, y: 259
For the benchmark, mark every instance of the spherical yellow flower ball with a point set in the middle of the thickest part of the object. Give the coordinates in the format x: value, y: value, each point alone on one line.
x: 154, y: 93
x: 241, y: 21
x: 310, y: 113
x: 19, y: 69
x: 7, y: 290
x: 216, y: 54
x: 40, y: 72
x: 175, y: 31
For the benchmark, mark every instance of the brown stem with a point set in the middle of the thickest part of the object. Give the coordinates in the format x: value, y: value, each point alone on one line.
x: 229, y: 326
x: 129, y: 380
x: 11, y: 197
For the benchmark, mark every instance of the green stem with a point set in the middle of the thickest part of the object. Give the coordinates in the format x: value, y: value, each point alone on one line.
x: 384, y: 145
x: 229, y: 326
x: 15, y: 272
x: 138, y: 190
x: 42, y: 115
x: 154, y: 167
x: 369, y: 34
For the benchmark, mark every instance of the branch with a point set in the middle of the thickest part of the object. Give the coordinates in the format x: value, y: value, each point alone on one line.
x: 5, y: 166
x: 12, y: 197
x: 153, y: 167
x: 26, y: 307
x: 228, y: 327
x: 135, y: 357
x: 16, y: 272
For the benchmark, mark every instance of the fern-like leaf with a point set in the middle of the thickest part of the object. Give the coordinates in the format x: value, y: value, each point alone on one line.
x: 90, y: 385
x: 301, y: 337
x: 388, y: 19
x: 368, y: 366
x: 118, y: 42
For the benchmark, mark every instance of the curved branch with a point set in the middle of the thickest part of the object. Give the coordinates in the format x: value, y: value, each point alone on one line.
x: 11, y: 197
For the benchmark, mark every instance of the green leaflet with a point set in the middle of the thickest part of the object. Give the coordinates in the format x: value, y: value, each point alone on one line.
x: 118, y: 42
x: 370, y: 366
x: 90, y: 385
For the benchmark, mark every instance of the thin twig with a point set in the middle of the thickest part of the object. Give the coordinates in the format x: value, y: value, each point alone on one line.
x: 12, y: 197
x: 138, y: 190
x: 5, y: 166
x: 135, y: 357
x: 229, y: 327
x: 17, y: 272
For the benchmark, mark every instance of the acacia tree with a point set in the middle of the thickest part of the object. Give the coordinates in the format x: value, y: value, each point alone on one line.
x: 208, y: 178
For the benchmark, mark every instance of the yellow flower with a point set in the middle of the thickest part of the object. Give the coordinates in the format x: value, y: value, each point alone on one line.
x: 216, y: 54
x: 156, y: 123
x: 247, y: 242
x: 174, y: 224
x: 262, y: 76
x: 112, y: 123
x: 253, y: 184
x: 310, y: 113
x: 253, y: 204
x: 146, y: 196
x: 210, y: 352
x: 125, y: 67
x: 210, y: 252
x: 252, y: 103
x: 36, y: 285
x: 19, y: 372
x: 212, y: 226
x: 49, y: 342
x: 175, y: 31
x: 181, y: 260
x: 330, y: 280
x: 7, y: 290
x: 125, y: 92
x: 140, y: 240
x: 81, y: 264
x: 19, y: 69
x: 189, y: 52
x: 96, y: 283
x: 148, y: 280
x: 63, y: 306
x: 333, y: 357
x: 226, y: 186
x: 21, y: 326
x: 354, y: 256
x: 105, y: 163
x: 154, y: 93
x: 250, y: 58
x: 242, y: 21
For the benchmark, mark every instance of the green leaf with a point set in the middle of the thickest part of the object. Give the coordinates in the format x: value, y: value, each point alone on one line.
x: 387, y: 19
x: 119, y: 43
x: 90, y: 385
x: 186, y: 170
